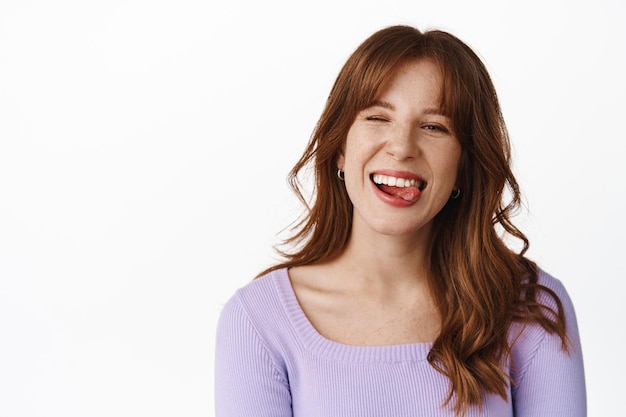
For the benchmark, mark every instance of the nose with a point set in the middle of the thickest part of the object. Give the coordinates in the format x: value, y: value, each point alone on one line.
x: 402, y: 143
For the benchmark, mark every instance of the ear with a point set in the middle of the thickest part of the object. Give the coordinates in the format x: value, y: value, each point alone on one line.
x: 340, y: 161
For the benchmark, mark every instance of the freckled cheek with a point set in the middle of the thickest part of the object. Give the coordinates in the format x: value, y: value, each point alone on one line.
x: 454, y: 166
x: 358, y: 150
x: 446, y: 166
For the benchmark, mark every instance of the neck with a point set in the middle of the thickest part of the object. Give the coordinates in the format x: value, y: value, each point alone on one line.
x: 386, y: 262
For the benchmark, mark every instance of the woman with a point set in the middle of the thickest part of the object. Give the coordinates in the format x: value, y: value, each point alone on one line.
x: 399, y: 296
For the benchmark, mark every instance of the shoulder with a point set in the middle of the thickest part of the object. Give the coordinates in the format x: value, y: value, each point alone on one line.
x: 553, y: 295
x: 562, y: 300
x: 553, y: 284
x: 256, y: 298
x: 548, y: 375
x: 251, y: 375
x: 529, y: 338
x: 260, y: 288
x: 259, y: 310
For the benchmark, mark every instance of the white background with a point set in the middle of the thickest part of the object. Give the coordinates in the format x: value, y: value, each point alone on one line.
x: 144, y: 148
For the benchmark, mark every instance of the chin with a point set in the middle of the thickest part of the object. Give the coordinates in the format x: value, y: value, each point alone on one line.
x: 396, y: 229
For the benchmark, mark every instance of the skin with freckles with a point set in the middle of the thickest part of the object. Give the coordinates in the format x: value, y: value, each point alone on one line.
x: 376, y: 292
x: 402, y: 132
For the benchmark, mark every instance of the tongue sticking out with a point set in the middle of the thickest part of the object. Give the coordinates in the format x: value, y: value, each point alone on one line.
x: 406, y: 193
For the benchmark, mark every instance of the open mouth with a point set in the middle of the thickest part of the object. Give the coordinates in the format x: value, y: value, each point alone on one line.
x: 408, y: 189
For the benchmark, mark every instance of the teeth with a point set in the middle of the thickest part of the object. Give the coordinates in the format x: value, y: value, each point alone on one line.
x: 396, y: 182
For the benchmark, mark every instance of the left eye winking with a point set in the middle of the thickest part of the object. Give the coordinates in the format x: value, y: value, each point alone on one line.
x: 376, y: 118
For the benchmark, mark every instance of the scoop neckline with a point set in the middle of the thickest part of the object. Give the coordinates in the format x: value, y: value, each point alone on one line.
x: 321, y: 346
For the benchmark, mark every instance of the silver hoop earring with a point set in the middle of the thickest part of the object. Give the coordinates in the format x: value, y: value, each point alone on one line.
x: 455, y: 193
x: 341, y: 175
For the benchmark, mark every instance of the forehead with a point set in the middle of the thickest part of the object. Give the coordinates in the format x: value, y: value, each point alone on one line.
x: 417, y: 80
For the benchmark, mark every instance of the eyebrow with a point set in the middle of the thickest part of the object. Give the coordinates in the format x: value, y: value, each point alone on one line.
x: 388, y: 105
x: 383, y: 104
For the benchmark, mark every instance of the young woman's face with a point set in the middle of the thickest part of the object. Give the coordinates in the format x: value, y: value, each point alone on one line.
x: 401, y: 155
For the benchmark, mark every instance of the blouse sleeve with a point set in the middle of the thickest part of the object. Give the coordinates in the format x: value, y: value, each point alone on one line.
x: 551, y: 381
x: 248, y: 380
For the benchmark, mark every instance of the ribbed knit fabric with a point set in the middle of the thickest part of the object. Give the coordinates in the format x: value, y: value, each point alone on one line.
x: 271, y: 362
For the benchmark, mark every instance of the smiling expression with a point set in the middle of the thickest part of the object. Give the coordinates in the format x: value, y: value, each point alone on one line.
x: 401, y: 154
